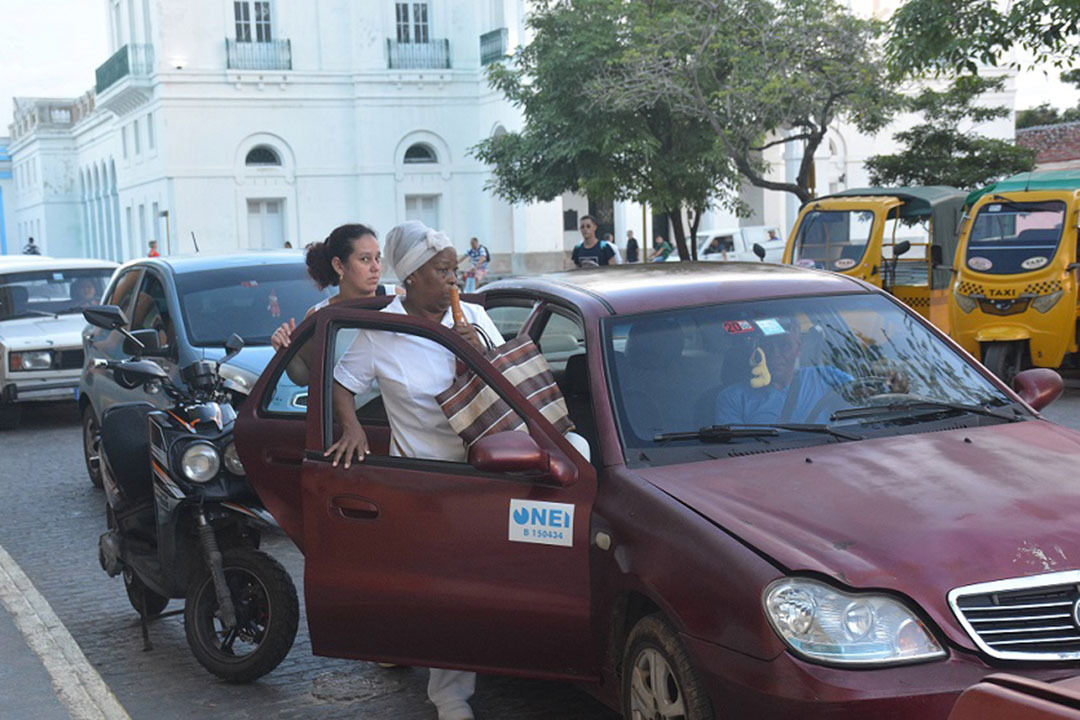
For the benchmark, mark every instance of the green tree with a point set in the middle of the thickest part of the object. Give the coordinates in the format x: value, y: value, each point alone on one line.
x: 937, y: 152
x: 1043, y: 114
x: 761, y: 73
x: 570, y: 142
x: 958, y: 35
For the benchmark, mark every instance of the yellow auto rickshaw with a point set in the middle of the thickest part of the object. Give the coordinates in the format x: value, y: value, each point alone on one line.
x: 894, y: 238
x: 1014, y: 299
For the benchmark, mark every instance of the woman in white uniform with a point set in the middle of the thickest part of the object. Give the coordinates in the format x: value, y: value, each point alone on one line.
x: 411, y: 371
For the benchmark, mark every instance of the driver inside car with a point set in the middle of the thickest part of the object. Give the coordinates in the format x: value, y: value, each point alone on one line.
x: 779, y: 390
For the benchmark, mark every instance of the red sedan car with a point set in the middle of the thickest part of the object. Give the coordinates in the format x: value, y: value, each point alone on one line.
x: 801, y: 500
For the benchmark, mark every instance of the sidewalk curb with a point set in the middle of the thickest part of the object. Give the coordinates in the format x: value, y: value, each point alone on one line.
x: 78, y: 685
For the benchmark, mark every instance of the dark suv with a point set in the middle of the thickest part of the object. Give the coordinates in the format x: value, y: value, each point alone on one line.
x: 194, y: 303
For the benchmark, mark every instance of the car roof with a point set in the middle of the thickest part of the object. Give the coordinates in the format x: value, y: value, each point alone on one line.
x: 643, y: 287
x: 24, y: 263
x: 198, y: 262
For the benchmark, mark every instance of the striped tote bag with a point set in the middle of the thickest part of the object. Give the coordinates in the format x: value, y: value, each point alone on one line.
x: 474, y: 409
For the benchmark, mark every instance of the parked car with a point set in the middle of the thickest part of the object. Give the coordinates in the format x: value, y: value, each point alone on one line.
x: 905, y: 527
x: 41, y: 302
x: 737, y: 243
x: 194, y: 303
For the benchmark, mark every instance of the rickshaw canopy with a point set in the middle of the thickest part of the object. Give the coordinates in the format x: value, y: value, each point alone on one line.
x: 1025, y: 182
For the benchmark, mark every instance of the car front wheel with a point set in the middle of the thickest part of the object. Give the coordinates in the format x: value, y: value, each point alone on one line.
x: 92, y: 446
x: 658, y: 682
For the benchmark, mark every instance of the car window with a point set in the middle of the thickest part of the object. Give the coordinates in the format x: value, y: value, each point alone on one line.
x: 124, y: 290
x: 395, y: 378
x: 59, y: 291
x: 509, y: 319
x: 560, y: 339
x: 151, y: 311
x: 792, y: 361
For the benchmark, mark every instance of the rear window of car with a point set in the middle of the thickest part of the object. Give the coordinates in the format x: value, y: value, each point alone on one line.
x: 250, y: 301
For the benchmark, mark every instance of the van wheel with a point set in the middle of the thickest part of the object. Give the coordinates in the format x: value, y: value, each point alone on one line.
x: 1003, y: 359
x: 10, y: 416
x: 91, y: 438
x: 658, y: 681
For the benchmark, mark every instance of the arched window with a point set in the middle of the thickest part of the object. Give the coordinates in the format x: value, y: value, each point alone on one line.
x: 262, y: 155
x: 421, y: 153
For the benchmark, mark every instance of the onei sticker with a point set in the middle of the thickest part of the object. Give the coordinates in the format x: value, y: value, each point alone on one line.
x: 544, y: 523
x: 770, y: 326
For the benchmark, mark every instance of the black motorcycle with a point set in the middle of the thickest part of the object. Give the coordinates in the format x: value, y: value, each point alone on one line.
x: 183, y: 522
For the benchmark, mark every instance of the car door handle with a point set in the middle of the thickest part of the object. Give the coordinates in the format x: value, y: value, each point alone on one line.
x: 354, y: 508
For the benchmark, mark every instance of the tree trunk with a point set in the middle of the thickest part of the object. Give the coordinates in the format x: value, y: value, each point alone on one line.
x: 680, y: 233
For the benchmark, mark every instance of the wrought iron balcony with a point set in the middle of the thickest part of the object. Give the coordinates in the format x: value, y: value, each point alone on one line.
x: 433, y: 55
x: 493, y: 46
x: 134, y: 59
x: 272, y: 55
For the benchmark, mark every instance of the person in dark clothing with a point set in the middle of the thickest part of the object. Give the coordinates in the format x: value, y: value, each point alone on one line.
x: 31, y: 248
x: 591, y: 252
x: 632, y: 250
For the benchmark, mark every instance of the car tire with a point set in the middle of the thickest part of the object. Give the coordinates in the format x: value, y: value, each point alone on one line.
x: 10, y: 416
x: 91, y: 433
x: 658, y: 680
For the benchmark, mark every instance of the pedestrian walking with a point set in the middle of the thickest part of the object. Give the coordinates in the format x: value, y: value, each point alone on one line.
x: 153, y: 250
x: 591, y: 252
x: 31, y: 248
x: 479, y: 257
x: 632, y: 251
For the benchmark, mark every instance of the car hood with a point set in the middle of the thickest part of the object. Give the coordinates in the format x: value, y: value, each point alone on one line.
x: 917, y: 514
x: 42, y: 332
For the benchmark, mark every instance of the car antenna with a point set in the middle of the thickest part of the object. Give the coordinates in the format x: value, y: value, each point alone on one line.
x: 1027, y: 184
x: 194, y: 241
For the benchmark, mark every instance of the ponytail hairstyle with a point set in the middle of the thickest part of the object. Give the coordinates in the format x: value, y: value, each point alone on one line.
x: 338, y: 244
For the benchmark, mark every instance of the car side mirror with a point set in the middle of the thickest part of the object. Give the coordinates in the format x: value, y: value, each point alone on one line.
x: 937, y: 257
x: 900, y: 248
x: 759, y: 251
x: 142, y: 342
x: 1038, y: 387
x: 106, y: 317
x: 233, y: 345
x: 517, y: 452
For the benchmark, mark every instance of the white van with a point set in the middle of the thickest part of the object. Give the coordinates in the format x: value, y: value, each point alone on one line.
x: 738, y: 244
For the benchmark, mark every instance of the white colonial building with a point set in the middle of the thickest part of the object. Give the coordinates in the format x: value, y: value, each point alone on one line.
x: 243, y: 124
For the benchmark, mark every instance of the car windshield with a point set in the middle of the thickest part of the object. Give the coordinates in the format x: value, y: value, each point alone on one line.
x: 854, y: 363
x: 833, y: 239
x: 51, y: 292
x: 1015, y: 237
x: 249, y: 301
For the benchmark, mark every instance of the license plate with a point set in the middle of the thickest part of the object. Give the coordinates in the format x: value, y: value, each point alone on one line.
x: 76, y: 393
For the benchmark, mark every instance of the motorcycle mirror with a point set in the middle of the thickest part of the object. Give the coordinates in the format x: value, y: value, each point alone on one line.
x: 759, y: 251
x: 107, y: 317
x: 130, y: 374
x: 900, y: 248
x: 937, y: 257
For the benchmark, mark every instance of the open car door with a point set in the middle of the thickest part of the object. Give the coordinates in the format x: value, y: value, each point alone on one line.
x: 425, y: 562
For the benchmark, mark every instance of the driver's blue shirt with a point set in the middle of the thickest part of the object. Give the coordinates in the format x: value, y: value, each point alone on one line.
x: 742, y: 404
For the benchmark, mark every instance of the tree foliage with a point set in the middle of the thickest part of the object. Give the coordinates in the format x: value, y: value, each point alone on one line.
x: 761, y: 73
x: 958, y: 35
x: 571, y: 142
x: 1046, y: 114
x: 937, y: 152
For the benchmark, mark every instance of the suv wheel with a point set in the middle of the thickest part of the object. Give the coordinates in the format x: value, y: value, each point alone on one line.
x: 91, y: 434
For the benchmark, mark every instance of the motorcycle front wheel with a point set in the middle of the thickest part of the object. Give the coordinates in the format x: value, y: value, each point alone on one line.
x: 267, y: 612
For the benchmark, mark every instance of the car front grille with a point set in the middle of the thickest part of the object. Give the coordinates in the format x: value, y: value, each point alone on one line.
x: 1031, y: 618
x: 68, y: 360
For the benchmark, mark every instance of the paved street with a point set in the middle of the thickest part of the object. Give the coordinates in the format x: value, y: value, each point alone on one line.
x: 50, y: 519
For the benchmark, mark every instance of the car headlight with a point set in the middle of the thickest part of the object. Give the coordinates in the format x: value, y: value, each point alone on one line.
x: 237, y: 378
x: 965, y: 303
x: 1043, y: 303
x: 834, y: 627
x: 30, y: 360
x: 232, y: 460
x: 200, y: 462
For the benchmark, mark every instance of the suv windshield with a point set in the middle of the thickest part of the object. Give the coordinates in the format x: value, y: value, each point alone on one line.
x: 51, y: 292
x: 784, y: 367
x: 249, y: 301
x: 833, y: 239
x: 1015, y: 237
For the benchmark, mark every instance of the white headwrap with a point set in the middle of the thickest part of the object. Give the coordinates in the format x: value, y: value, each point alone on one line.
x: 411, y: 244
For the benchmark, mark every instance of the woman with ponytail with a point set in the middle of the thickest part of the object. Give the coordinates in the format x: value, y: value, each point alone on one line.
x: 348, y: 259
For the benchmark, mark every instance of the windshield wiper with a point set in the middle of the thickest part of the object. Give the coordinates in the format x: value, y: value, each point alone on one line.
x: 724, y: 433
x: 924, y: 406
